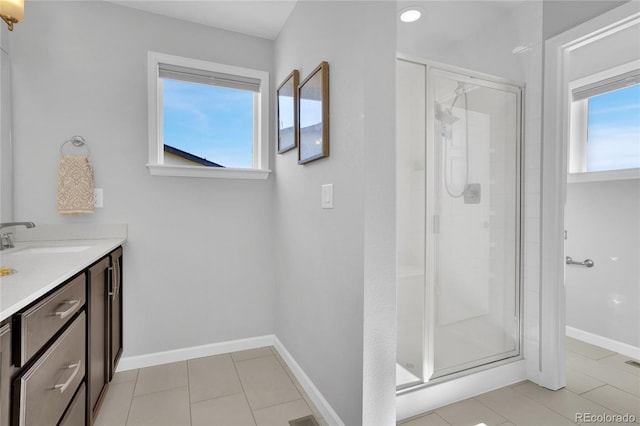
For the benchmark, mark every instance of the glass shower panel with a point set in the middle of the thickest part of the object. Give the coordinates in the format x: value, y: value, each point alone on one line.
x: 472, y: 288
x: 410, y: 231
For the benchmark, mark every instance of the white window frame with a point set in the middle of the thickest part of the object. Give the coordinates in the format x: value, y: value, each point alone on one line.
x: 578, y: 122
x: 157, y: 166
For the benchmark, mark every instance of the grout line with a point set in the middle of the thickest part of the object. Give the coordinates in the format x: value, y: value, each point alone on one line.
x: 560, y: 413
x: 133, y: 393
x: 244, y: 392
x: 162, y: 390
x: 189, y: 393
x: 587, y: 391
x: 494, y: 410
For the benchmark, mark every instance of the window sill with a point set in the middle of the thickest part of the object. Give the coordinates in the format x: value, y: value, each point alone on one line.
x: 207, y: 172
x: 603, y: 176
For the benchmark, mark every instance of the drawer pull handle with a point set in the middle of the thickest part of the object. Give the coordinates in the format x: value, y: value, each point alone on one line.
x: 63, y: 387
x: 74, y: 305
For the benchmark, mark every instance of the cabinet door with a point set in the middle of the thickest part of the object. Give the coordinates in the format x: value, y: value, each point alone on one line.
x: 115, y: 311
x: 6, y: 371
x: 97, y: 341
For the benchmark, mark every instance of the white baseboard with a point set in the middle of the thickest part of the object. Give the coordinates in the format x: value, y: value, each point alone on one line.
x: 603, y: 342
x: 330, y: 416
x: 159, y: 358
x: 184, y: 354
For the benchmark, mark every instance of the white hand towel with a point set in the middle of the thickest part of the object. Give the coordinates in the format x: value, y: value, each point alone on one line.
x: 75, y: 185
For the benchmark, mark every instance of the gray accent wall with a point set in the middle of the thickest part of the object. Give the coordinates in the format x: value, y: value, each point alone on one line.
x: 335, y: 309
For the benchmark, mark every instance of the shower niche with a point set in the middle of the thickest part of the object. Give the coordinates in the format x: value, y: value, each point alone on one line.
x: 458, y: 222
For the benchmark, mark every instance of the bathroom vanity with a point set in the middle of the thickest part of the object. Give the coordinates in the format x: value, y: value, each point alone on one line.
x: 60, y: 330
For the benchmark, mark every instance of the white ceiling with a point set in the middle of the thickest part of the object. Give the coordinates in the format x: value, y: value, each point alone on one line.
x: 443, y: 21
x: 261, y: 18
x: 446, y: 22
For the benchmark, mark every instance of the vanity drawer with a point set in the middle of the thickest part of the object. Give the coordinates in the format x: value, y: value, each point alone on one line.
x: 42, y: 321
x: 44, y: 390
x: 75, y: 415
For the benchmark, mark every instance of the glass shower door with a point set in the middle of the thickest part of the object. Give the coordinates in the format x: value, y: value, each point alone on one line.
x: 473, y: 222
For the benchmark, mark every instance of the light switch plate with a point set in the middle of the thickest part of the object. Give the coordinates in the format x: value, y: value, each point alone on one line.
x: 327, y: 196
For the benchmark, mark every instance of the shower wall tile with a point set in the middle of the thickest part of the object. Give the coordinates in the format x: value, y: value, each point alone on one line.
x: 532, y: 253
x: 533, y: 150
x: 532, y: 230
x: 532, y: 278
x: 532, y: 205
x: 532, y: 177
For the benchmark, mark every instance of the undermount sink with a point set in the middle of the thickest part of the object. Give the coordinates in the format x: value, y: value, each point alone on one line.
x: 52, y: 249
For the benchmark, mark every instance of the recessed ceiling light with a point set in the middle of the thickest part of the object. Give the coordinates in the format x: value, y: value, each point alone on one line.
x: 411, y: 14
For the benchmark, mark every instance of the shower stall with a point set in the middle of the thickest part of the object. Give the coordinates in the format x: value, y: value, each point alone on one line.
x: 458, y: 222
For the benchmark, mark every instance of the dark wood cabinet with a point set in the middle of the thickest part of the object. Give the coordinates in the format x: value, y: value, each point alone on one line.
x: 45, y: 348
x: 115, y: 311
x: 98, y: 288
x: 105, y: 327
x: 78, y: 325
x: 6, y: 371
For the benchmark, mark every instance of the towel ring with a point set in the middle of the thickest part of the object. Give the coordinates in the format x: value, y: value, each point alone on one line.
x: 76, y: 141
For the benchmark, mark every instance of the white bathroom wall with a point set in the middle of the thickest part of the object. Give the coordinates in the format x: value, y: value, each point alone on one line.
x: 335, y: 304
x: 6, y: 155
x: 608, y: 52
x: 602, y: 224
x: 199, y: 258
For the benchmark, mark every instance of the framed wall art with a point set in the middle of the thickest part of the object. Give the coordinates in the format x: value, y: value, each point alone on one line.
x: 287, y: 94
x: 313, y: 115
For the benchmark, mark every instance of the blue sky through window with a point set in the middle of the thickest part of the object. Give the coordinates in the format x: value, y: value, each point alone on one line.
x: 211, y: 122
x: 613, y: 140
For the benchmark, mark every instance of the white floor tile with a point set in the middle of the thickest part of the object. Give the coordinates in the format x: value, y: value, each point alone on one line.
x: 279, y: 415
x: 230, y: 410
x: 470, y: 412
x: 166, y: 408
x: 212, y: 377
x: 161, y: 377
x: 115, y: 407
x: 616, y: 400
x: 265, y: 382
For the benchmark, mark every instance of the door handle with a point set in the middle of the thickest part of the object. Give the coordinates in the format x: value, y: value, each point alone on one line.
x: 74, y: 305
x: 63, y: 386
x: 587, y: 262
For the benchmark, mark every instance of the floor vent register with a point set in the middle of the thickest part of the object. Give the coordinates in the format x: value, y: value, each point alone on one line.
x: 304, y: 421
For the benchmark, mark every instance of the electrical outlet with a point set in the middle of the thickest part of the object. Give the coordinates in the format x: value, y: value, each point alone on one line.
x: 98, y: 198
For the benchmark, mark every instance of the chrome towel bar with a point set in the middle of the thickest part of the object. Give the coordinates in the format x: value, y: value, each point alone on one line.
x: 587, y: 262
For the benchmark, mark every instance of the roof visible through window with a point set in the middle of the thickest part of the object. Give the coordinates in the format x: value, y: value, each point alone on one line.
x: 211, y: 122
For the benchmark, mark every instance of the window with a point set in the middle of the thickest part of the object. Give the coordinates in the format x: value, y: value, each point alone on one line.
x: 605, y: 124
x: 207, y: 119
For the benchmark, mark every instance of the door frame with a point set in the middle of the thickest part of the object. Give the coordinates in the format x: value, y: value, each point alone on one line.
x: 555, y: 146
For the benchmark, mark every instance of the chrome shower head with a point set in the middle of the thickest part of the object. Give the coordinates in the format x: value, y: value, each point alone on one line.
x: 445, y: 115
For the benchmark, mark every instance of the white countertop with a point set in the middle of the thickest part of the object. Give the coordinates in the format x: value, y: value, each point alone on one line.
x: 40, y: 272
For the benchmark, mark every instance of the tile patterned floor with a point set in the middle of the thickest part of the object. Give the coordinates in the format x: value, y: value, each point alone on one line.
x: 253, y: 387
x: 256, y: 387
x: 598, y: 382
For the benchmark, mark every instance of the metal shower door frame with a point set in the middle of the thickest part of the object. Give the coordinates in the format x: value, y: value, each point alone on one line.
x: 433, y: 163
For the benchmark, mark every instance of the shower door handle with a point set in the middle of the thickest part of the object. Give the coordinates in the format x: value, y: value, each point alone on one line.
x: 587, y: 262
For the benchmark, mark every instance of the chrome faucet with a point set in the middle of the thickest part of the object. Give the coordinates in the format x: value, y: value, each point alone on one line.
x: 5, y: 238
